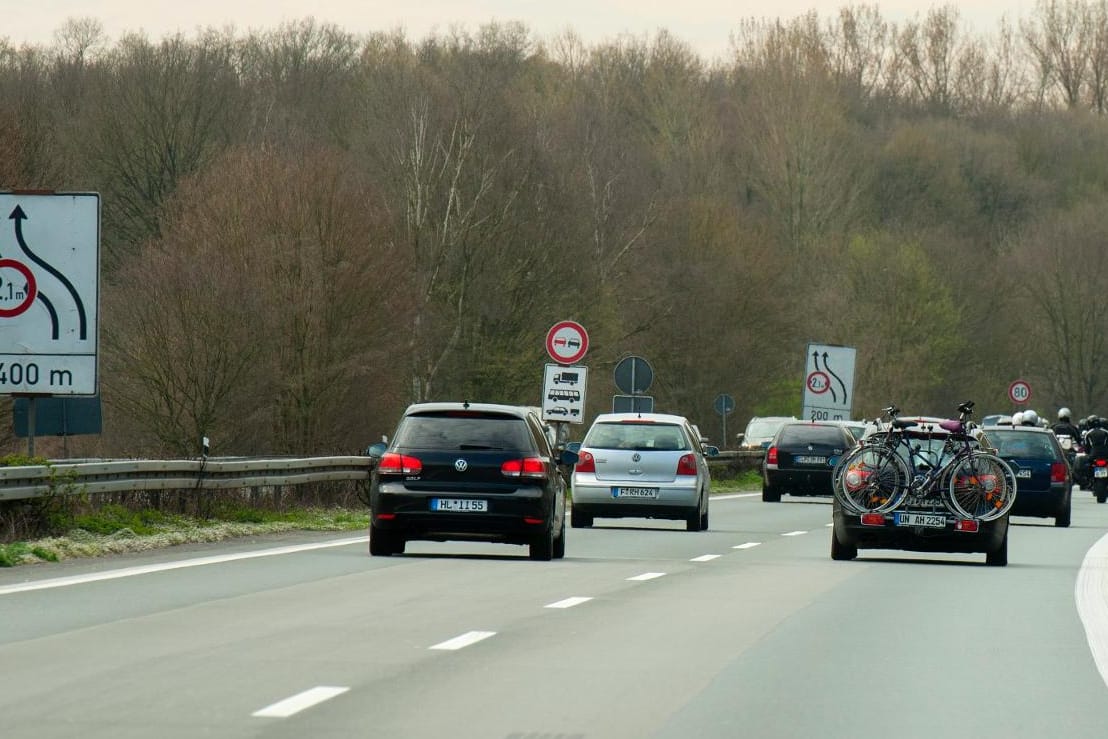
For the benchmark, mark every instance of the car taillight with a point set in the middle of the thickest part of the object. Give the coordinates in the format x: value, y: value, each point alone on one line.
x: 526, y: 467
x: 873, y: 519
x: 687, y: 465
x: 967, y: 525
x: 586, y: 463
x: 1101, y: 463
x: 1058, y: 472
x: 399, y: 464
x: 771, y: 455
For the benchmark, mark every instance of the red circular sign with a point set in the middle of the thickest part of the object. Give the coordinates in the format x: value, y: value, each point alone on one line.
x: 1019, y: 392
x: 567, y: 342
x: 819, y: 382
x: 7, y: 290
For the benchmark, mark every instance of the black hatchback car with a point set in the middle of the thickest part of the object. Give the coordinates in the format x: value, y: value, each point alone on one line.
x: 801, y: 457
x: 1044, y: 480
x: 468, y: 471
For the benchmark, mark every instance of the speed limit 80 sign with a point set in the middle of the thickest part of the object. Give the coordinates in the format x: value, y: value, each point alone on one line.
x: 1019, y: 391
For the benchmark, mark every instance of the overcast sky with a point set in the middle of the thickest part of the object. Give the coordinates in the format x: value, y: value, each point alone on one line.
x: 704, y: 24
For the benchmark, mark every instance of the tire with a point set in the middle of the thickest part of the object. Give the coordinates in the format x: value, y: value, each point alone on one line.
x: 871, y: 479
x: 704, y: 520
x: 982, y: 487
x: 542, y: 548
x: 692, y: 521
x: 1100, y: 490
x: 769, y: 494
x: 841, y: 552
x: 579, y: 520
x: 560, y: 541
x: 999, y: 556
x: 381, y: 543
x: 1062, y: 520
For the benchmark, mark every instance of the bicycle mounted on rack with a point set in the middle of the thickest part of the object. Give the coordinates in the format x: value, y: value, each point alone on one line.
x: 888, y: 471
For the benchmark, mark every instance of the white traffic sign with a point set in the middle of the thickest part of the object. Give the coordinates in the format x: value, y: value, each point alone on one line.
x: 49, y: 293
x: 828, y: 383
x: 563, y: 393
x: 1019, y: 391
x: 567, y: 342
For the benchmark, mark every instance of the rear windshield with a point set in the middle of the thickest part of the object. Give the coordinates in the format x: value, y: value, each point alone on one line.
x: 1022, y: 444
x: 459, y: 430
x: 639, y: 436
x: 811, y: 434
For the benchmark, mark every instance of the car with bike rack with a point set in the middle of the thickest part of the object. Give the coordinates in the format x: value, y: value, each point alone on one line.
x: 925, y: 485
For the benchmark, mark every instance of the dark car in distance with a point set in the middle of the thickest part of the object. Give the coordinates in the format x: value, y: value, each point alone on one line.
x: 801, y: 457
x: 1044, y: 480
x: 468, y: 471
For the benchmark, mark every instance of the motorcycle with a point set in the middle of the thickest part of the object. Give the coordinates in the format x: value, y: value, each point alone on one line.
x: 1076, y: 458
x: 1098, y: 470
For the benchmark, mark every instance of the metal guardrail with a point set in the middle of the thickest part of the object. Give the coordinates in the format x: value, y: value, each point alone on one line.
x: 75, y: 478
x: 65, y: 478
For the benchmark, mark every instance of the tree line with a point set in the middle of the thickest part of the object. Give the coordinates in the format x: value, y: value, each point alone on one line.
x: 304, y: 229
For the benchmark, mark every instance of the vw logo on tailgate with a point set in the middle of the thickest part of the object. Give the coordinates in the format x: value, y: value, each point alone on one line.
x: 461, y: 465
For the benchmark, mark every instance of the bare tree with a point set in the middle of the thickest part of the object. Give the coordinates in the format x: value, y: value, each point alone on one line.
x: 1059, y: 36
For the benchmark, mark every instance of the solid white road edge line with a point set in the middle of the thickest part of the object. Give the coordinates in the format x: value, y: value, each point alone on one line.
x: 734, y: 496
x: 61, y: 582
x: 1091, y: 595
x: 300, y: 701
x: 568, y: 602
x: 466, y: 639
x: 647, y: 576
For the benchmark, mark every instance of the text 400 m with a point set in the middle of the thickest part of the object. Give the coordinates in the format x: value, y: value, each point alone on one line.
x: 16, y: 373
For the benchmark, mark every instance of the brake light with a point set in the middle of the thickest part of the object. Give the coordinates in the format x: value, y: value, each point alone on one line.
x: 527, y: 467
x: 967, y: 525
x: 399, y: 464
x: 1058, y: 472
x: 771, y: 455
x: 687, y: 465
x: 586, y: 463
x: 1101, y: 463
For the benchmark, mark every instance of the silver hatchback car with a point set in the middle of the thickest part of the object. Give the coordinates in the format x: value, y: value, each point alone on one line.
x: 642, y: 465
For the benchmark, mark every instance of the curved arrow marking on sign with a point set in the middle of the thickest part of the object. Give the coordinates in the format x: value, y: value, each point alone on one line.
x: 18, y: 216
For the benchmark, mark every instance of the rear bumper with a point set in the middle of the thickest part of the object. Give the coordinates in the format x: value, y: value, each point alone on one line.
x: 850, y: 531
x: 512, y: 519
x: 799, y: 482
x: 1041, y: 504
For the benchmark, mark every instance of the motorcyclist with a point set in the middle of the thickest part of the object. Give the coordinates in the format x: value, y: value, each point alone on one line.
x: 1064, y: 426
x: 1096, y: 438
x: 1030, y: 418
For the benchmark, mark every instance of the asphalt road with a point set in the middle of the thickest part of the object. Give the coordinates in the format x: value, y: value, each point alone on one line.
x: 643, y: 630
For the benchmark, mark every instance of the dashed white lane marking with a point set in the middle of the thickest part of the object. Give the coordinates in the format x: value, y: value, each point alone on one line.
x: 61, y: 582
x: 705, y: 558
x: 1091, y: 595
x: 300, y: 701
x: 794, y: 533
x: 747, y: 545
x: 465, y: 640
x: 568, y: 602
x: 647, y: 576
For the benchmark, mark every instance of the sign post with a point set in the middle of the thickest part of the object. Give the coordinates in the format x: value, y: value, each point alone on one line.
x: 724, y: 405
x: 828, y: 383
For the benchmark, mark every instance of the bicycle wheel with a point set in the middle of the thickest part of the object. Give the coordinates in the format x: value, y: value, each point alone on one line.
x: 871, y: 479
x: 982, y: 486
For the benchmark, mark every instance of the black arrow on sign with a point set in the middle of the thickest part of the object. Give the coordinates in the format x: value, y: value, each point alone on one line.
x: 18, y: 215
x: 832, y: 373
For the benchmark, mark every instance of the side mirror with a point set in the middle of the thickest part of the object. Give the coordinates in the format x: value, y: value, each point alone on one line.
x: 568, y: 458
x: 574, y: 446
x: 739, y: 436
x: 711, y: 451
x: 376, y: 450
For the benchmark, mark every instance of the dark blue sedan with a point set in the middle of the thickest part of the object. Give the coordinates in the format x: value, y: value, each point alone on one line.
x: 1043, y: 477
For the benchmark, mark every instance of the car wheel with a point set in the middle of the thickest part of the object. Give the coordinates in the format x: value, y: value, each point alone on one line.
x: 840, y: 551
x: 1062, y: 520
x: 704, y: 520
x: 579, y: 519
x: 381, y: 543
x: 999, y: 556
x: 542, y: 548
x: 560, y: 542
x: 770, y: 495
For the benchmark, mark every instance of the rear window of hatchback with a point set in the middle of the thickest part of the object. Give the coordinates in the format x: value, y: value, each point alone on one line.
x: 459, y: 430
x: 638, y: 436
x: 811, y: 434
